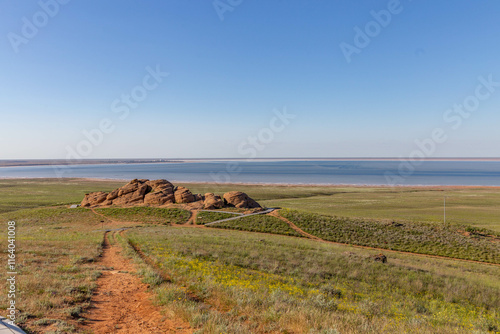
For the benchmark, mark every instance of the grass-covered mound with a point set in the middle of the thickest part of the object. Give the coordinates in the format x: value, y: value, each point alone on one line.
x: 259, y: 223
x: 147, y: 215
x: 205, y: 217
x: 224, y: 281
x: 426, y: 238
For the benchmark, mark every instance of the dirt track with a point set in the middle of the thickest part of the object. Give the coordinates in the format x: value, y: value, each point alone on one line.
x: 310, y: 236
x: 122, y: 303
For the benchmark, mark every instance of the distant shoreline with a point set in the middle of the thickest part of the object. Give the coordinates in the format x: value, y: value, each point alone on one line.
x: 322, y: 185
x: 63, y: 162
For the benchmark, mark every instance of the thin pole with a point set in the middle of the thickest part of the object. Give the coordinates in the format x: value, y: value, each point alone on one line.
x: 445, y: 209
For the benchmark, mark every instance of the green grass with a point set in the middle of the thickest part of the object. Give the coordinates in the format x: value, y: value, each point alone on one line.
x: 31, y: 193
x: 476, y: 206
x: 264, y: 192
x: 471, y: 206
x: 228, y: 281
x: 147, y: 214
x: 241, y: 282
x: 259, y: 223
x: 466, y: 205
x: 204, y: 217
x: 56, y: 257
x: 426, y: 238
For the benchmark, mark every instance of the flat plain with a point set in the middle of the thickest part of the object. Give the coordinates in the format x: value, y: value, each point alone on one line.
x: 258, y: 274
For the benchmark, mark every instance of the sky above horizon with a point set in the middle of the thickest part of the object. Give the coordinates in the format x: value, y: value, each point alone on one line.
x: 249, y: 79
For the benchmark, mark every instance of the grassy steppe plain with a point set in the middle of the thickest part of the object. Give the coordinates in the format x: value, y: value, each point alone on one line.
x: 469, y: 205
x: 226, y: 281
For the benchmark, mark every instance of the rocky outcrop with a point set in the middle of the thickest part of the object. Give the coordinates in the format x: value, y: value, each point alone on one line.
x: 94, y: 198
x: 212, y: 202
x: 131, y: 194
x: 162, y: 192
x: 112, y: 195
x: 240, y: 200
x: 380, y: 258
x: 183, y: 195
x: 199, y: 197
x: 161, y: 185
x: 159, y: 198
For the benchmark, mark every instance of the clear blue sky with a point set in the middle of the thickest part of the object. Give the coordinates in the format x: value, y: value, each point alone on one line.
x: 227, y: 76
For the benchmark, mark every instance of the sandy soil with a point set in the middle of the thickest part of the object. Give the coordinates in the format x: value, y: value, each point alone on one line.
x: 122, y: 303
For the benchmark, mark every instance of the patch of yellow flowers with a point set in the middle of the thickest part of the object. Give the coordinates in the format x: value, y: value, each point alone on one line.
x: 232, y: 276
x: 440, y: 312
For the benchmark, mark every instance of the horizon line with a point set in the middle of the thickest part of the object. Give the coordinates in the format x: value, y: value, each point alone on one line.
x: 246, y: 159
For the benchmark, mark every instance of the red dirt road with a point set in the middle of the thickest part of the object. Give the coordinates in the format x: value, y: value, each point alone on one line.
x: 122, y: 303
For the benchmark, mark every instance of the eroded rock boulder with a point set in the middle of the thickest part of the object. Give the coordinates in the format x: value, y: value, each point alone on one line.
x: 212, y: 202
x: 159, y: 198
x: 112, y: 195
x: 199, y: 197
x: 240, y: 200
x: 135, y: 196
x: 94, y: 198
x: 133, y: 186
x: 183, y: 195
x: 161, y: 185
x: 162, y: 192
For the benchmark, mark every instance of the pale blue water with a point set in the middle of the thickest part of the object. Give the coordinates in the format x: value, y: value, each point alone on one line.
x: 482, y: 173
